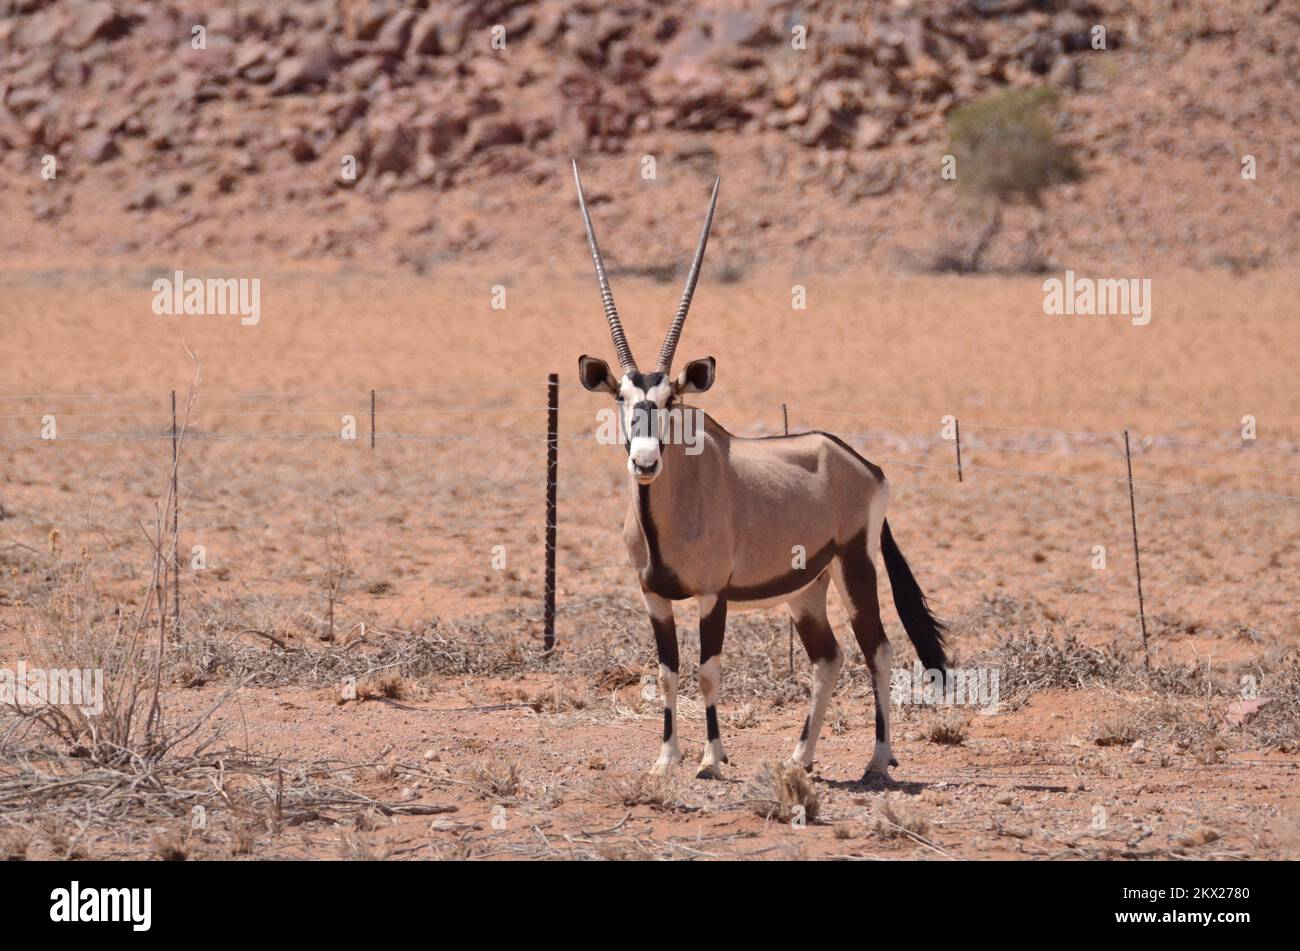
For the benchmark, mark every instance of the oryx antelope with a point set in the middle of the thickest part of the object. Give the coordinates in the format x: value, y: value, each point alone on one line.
x: 725, y: 523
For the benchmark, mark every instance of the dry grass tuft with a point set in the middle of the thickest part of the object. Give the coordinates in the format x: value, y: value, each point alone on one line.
x: 558, y: 698
x: 642, y: 789
x: 494, y: 779
x: 389, y: 685
x: 168, y: 845
x: 1199, y: 837
x: 896, y: 819
x: 14, y: 845
x: 947, y: 728
x: 1118, y: 730
x: 781, y: 791
x: 616, y: 676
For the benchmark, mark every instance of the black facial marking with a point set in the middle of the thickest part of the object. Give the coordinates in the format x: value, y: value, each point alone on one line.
x: 646, y: 381
x: 645, y: 420
x: 711, y: 718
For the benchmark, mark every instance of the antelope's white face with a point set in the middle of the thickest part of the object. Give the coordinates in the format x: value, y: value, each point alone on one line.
x: 643, y: 401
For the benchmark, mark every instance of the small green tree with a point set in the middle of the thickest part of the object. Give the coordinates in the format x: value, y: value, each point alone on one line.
x: 1006, y: 150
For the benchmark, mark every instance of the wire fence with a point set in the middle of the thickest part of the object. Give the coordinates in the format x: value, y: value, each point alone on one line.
x: 465, y: 495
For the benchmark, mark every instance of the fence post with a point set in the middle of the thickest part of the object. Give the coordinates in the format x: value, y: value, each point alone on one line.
x: 176, y: 522
x: 552, y: 473
x: 956, y: 424
x: 1137, y: 560
x: 785, y: 424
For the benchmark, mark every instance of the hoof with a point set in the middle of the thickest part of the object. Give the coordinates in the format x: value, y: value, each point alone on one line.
x: 877, y: 774
x: 709, y: 771
x: 893, y: 762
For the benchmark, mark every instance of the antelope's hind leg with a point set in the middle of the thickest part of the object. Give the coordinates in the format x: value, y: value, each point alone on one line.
x: 665, y: 629
x: 713, y: 625
x: 809, y: 611
x: 856, y: 581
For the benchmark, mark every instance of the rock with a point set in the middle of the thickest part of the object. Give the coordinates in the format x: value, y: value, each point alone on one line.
x: 100, y: 147
x: 391, y: 148
x: 344, y: 110
x: 454, y: 28
x: 1241, y: 712
x: 1072, y: 31
x: 1065, y: 74
x: 744, y: 28
x: 224, y: 22
x: 252, y: 53
x: 870, y: 134
x: 169, y: 133
x: 826, y: 129
x: 392, y: 39
x: 260, y: 74
x: 92, y: 21
x: 313, y: 68
x: 442, y: 135
x: 364, y: 21
x: 192, y: 87
x: 156, y: 195
x: 549, y: 24
x: 488, y: 132
x: 70, y: 69
x: 302, y: 148
x: 226, y: 180
x: 38, y: 30
x: 424, y: 34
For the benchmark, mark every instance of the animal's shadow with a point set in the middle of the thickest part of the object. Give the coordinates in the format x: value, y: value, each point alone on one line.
x: 874, y: 784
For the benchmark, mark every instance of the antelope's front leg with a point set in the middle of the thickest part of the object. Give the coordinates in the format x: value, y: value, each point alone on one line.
x: 665, y: 628
x: 713, y: 624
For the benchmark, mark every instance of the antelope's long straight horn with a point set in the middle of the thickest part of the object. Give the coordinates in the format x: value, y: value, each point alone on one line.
x: 606, y: 295
x: 675, y: 331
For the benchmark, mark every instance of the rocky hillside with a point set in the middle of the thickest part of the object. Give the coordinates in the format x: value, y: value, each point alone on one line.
x: 414, y: 133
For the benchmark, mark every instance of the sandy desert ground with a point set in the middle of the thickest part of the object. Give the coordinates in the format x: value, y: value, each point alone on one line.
x: 465, y: 741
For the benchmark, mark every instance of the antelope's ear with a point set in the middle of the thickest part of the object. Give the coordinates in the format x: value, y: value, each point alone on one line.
x: 696, y: 376
x: 596, y: 376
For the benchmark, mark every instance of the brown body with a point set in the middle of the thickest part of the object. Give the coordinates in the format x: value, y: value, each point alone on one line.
x: 753, y: 521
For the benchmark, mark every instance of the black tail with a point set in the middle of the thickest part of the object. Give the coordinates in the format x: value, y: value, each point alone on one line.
x: 925, y: 631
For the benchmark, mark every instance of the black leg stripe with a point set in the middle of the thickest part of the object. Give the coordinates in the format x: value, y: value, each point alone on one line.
x: 665, y: 630
x: 711, y: 716
x: 668, y: 724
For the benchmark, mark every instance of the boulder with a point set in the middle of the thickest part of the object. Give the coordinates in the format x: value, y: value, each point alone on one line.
x: 396, y: 32
x: 92, y: 21
x: 99, y: 147
x: 313, y: 67
x: 391, y: 147
x: 488, y: 132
